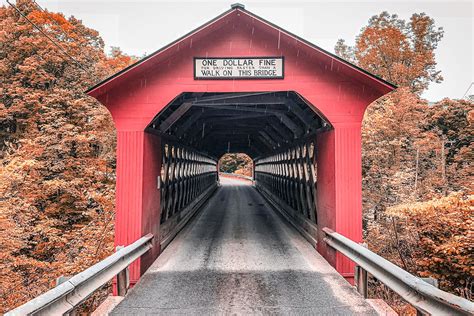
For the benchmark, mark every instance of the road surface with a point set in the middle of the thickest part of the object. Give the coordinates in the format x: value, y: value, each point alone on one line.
x: 239, y: 257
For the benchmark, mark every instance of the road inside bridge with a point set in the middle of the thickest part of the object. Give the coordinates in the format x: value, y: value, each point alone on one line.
x: 239, y: 257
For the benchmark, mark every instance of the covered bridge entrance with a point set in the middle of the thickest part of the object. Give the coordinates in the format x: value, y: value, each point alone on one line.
x: 239, y: 84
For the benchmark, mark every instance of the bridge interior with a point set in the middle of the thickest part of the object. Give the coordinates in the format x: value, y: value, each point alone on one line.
x: 276, y: 129
x: 239, y: 257
x: 257, y: 123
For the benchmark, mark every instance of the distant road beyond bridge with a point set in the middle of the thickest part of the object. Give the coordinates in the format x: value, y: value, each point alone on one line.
x: 239, y: 257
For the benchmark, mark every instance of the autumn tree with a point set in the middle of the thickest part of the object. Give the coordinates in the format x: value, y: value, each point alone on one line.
x: 404, y: 53
x: 389, y: 134
x: 57, y: 151
x: 398, y: 51
x: 117, y: 60
x: 447, y: 127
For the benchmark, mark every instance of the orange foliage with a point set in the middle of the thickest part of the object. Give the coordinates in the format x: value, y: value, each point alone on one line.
x: 434, y: 239
x: 417, y: 158
x: 400, y: 52
x: 118, y: 60
x: 236, y: 163
x: 56, y: 150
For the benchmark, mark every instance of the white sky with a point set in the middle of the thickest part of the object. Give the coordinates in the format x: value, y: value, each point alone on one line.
x: 141, y: 27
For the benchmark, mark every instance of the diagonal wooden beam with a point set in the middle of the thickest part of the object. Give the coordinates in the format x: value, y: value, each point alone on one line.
x: 276, y: 138
x: 280, y: 129
x: 180, y: 111
x: 268, y: 139
x: 186, y: 125
x: 299, y: 113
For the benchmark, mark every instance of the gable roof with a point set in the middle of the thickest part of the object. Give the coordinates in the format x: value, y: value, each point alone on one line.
x: 96, y: 89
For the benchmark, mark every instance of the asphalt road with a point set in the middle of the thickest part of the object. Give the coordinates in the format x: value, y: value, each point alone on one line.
x: 239, y: 257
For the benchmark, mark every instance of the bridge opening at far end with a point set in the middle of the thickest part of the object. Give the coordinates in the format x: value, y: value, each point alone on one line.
x: 236, y: 165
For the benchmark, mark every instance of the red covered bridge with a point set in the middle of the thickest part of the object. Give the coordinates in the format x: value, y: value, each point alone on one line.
x: 178, y: 111
x: 301, y: 126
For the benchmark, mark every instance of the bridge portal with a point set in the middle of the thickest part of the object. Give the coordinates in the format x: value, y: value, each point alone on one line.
x: 239, y: 84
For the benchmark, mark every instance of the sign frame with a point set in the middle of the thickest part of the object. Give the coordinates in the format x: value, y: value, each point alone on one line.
x: 241, y: 78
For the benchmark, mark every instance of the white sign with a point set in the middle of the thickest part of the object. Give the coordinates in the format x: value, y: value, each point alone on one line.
x: 238, y: 68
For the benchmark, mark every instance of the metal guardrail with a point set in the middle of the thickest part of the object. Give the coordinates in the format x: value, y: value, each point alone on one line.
x: 69, y: 294
x: 423, y: 296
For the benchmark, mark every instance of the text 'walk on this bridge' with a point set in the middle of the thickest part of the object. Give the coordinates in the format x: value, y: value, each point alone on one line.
x: 285, y: 241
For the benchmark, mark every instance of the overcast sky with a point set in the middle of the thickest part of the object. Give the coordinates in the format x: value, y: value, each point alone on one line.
x: 141, y: 27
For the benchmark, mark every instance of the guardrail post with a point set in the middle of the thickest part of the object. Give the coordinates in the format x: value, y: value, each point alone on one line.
x: 433, y: 282
x: 361, y: 278
x: 122, y: 282
x: 361, y: 281
x: 59, y: 280
x: 123, y: 279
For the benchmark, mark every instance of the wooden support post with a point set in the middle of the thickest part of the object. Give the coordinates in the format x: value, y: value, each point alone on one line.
x: 361, y: 281
x: 122, y: 282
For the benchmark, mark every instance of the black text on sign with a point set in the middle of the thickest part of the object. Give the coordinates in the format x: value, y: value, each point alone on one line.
x: 238, y: 68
